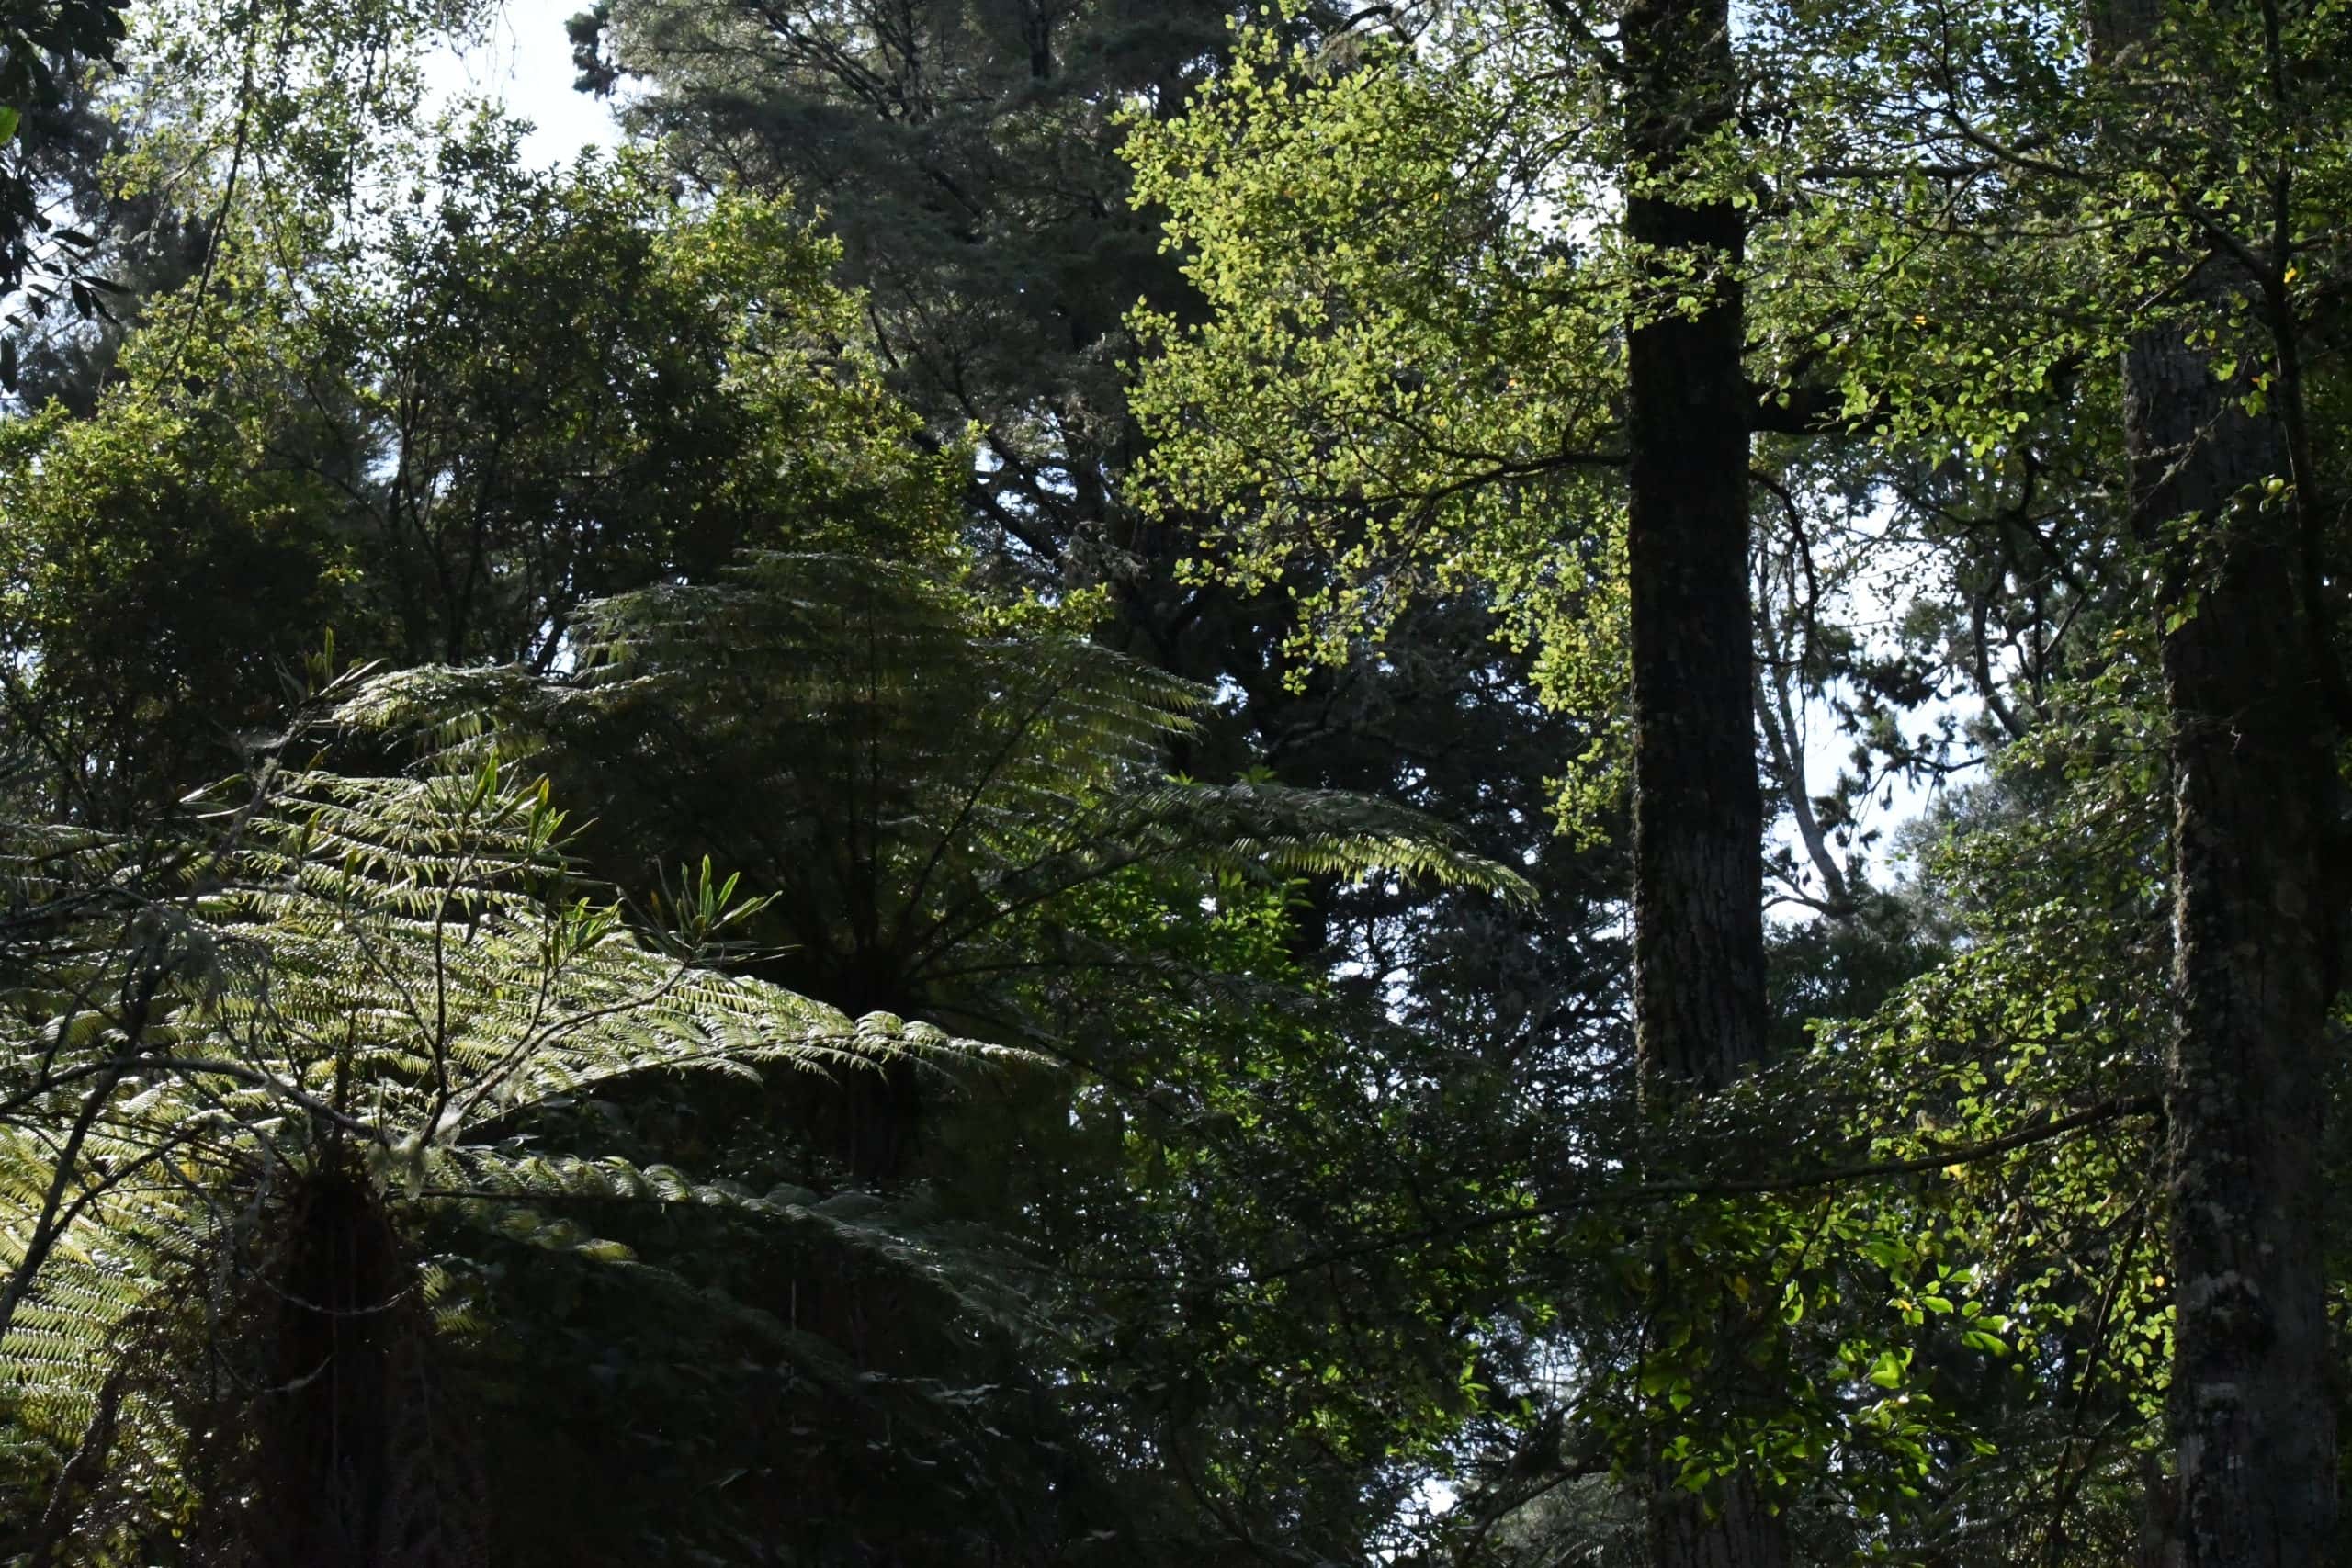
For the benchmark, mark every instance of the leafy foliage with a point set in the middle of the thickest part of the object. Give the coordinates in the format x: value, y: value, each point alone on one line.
x: 393, y: 1174
x: 402, y: 446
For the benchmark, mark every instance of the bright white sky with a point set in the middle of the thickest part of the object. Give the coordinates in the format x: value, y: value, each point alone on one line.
x: 525, y: 63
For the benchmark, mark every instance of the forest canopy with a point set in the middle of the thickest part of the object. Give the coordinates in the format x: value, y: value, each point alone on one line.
x: 1479, y: 783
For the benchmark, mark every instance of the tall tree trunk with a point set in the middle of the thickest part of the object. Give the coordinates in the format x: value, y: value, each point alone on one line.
x: 1698, y: 809
x: 1699, y: 1007
x: 2252, y: 1430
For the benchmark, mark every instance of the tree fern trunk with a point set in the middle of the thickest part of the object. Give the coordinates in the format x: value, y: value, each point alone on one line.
x: 359, y: 1463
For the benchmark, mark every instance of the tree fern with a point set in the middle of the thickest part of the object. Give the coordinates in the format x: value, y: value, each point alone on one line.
x: 965, y: 813
x: 931, y: 788
x: 231, y: 1100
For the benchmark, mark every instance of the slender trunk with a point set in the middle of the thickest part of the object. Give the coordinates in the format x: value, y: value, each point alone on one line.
x: 1784, y: 744
x: 2253, y: 1434
x: 1698, y: 813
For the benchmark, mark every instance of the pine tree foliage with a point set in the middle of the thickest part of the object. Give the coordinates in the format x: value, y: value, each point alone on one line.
x: 43, y: 47
x: 963, y: 153
x: 233, y: 1098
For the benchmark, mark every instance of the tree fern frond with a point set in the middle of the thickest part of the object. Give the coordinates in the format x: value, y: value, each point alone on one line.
x: 382, y: 974
x: 511, y: 1193
x: 923, y: 789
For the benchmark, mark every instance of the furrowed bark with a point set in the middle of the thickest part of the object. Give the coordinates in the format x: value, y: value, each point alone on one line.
x: 2252, y: 1430
x: 1698, y: 809
x: 1699, y: 1005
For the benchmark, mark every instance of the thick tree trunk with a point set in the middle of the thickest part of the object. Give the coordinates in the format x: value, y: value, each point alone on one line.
x: 1698, y: 813
x: 2252, y: 1433
x: 2251, y: 1430
x: 1698, y: 810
